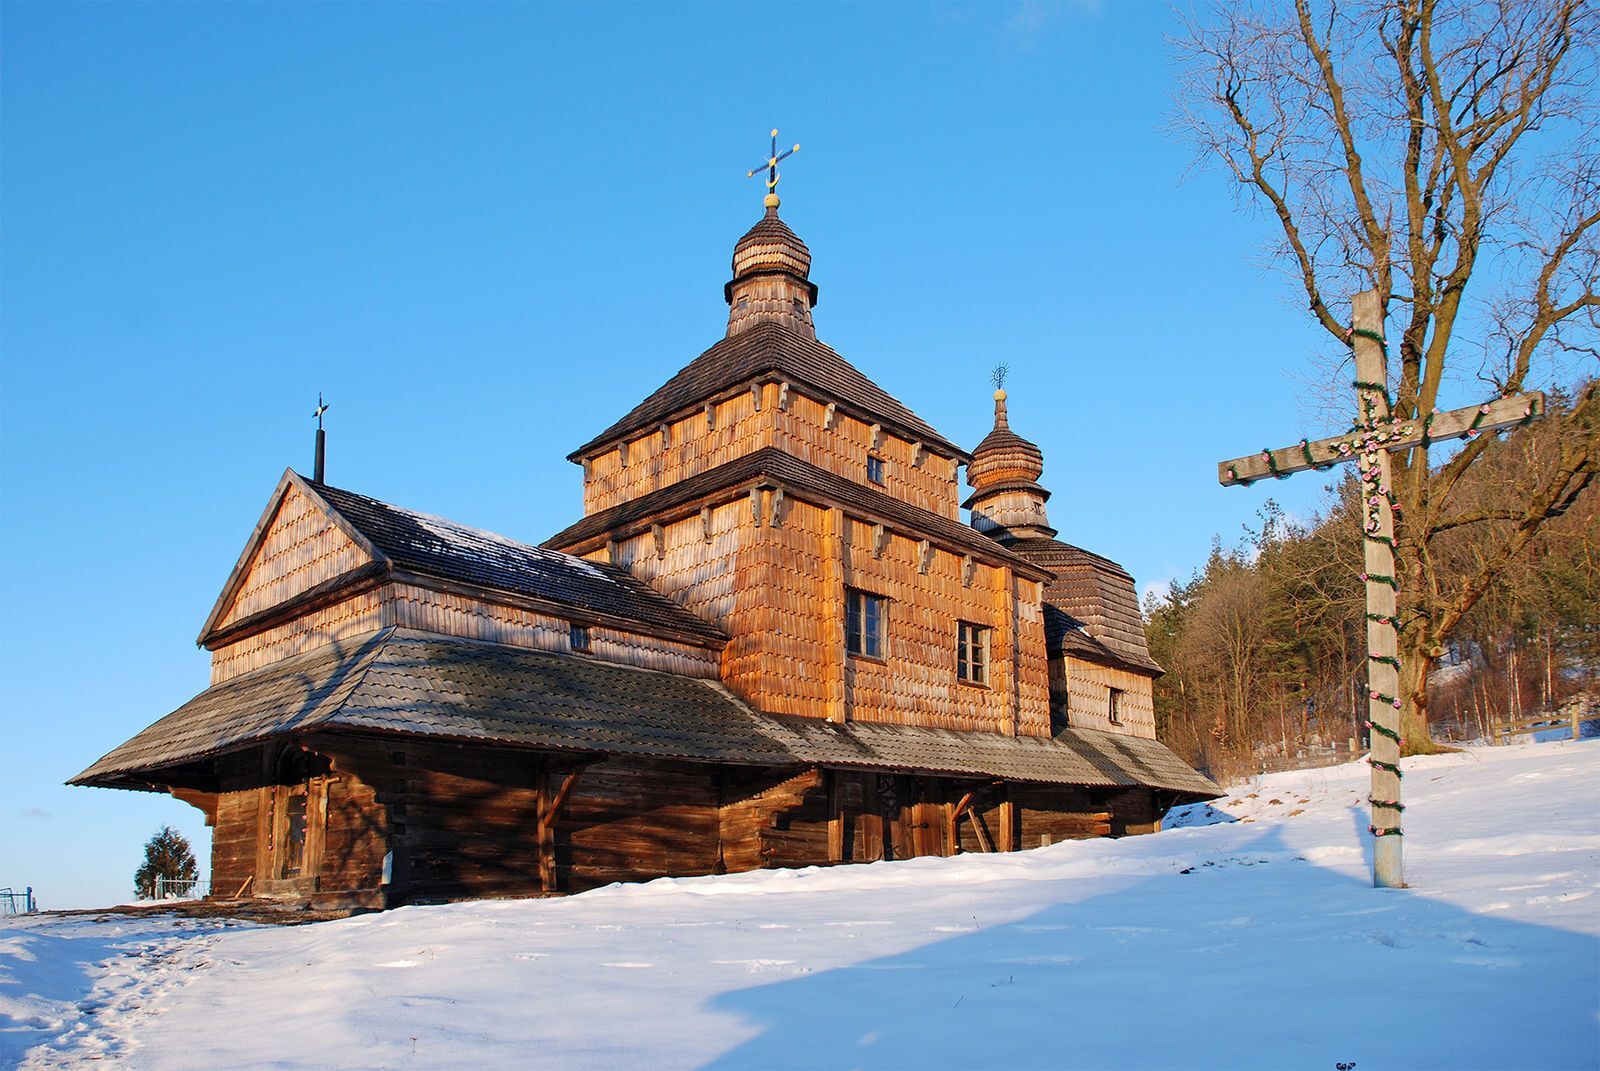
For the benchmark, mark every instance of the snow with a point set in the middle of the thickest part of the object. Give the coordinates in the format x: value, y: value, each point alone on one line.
x: 1247, y: 935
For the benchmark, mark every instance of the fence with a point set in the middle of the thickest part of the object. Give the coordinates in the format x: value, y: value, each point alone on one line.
x: 1543, y: 723
x: 17, y: 903
x: 181, y: 888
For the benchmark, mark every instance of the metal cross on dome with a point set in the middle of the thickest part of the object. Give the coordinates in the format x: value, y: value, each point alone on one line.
x: 772, y: 163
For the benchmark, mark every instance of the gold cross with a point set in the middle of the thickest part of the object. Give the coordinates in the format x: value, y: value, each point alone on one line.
x: 772, y: 165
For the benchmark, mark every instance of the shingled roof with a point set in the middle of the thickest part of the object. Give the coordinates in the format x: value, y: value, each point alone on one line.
x: 424, y: 546
x: 773, y: 348
x: 798, y: 476
x: 1091, y: 607
x: 417, y: 683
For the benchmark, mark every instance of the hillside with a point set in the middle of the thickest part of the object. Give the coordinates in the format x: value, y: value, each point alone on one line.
x: 1244, y: 936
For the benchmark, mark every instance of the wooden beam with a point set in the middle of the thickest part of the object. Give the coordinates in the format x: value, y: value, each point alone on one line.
x: 1472, y: 420
x: 549, y: 879
x: 984, y: 840
x: 955, y: 822
x: 563, y: 793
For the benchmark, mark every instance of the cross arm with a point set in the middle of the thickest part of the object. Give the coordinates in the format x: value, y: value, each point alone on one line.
x: 1501, y: 413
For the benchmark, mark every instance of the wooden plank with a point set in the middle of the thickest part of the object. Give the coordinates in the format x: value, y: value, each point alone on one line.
x: 1504, y: 412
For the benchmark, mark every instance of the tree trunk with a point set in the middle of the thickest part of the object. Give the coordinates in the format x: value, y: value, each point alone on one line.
x: 1415, y: 665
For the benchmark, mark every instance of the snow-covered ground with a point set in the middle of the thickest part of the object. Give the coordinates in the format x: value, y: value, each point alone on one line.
x: 1247, y: 936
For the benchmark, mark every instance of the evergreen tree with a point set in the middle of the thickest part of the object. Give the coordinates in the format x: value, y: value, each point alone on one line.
x: 166, y: 855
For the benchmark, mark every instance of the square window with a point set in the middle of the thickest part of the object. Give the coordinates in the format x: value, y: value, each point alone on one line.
x: 875, y: 467
x: 579, y: 637
x: 972, y: 652
x: 865, y: 616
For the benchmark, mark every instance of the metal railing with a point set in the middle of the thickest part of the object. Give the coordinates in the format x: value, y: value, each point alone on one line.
x: 17, y: 903
x: 181, y: 888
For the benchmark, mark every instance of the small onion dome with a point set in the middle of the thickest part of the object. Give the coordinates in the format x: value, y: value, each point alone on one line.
x: 769, y: 248
x: 771, y: 278
x: 1004, y: 457
x: 1007, y: 502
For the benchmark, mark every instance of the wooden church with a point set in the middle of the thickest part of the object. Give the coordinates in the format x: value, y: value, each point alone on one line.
x: 771, y: 641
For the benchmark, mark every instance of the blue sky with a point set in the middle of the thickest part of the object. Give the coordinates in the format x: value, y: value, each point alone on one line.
x: 487, y: 231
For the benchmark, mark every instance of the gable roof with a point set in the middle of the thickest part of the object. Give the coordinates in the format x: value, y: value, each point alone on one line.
x: 772, y: 347
x: 408, y: 545
x: 420, y: 684
x: 773, y: 464
x: 1091, y: 607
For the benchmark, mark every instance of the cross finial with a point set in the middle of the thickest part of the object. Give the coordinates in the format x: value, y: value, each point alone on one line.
x: 998, y: 376
x: 322, y: 407
x: 771, y: 167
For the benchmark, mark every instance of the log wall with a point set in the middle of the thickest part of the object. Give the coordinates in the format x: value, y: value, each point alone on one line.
x: 635, y: 821
x: 1080, y: 697
x: 798, y: 424
x: 461, y: 821
x: 774, y: 820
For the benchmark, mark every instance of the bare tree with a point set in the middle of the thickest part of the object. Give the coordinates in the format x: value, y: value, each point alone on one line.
x: 1444, y: 155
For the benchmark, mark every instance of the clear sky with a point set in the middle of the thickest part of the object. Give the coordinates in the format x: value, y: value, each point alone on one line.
x: 487, y: 231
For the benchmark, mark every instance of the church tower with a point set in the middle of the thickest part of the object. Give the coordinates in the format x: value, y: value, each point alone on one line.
x: 1007, y: 502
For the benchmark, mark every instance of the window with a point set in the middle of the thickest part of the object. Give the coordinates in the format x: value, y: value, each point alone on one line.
x: 579, y: 637
x: 972, y: 653
x: 865, y: 615
x: 1114, y: 706
x: 875, y: 469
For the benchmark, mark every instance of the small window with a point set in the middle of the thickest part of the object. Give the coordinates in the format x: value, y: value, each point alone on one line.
x: 579, y: 635
x: 875, y: 466
x: 972, y: 653
x: 865, y: 615
x: 1114, y: 706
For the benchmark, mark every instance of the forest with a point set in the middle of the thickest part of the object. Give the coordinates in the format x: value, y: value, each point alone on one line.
x: 1265, y: 651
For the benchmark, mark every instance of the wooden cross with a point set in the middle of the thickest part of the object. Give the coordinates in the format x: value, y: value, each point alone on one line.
x: 772, y: 164
x: 1374, y: 436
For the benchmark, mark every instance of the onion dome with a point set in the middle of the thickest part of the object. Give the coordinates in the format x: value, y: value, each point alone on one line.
x: 1007, y: 501
x: 771, y: 277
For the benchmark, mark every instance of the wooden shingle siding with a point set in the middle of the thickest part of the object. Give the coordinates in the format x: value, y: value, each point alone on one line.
x: 448, y: 614
x: 303, y: 548
x: 339, y: 622
x: 1079, y: 697
x: 799, y: 428
x: 916, y: 683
